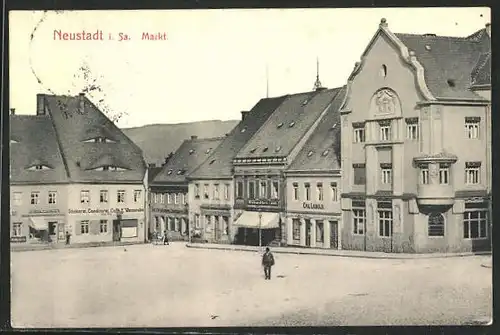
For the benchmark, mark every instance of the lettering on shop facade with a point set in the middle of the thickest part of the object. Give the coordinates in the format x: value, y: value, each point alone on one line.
x: 266, y: 202
x: 43, y: 212
x: 309, y: 205
x: 18, y: 239
x: 107, y: 211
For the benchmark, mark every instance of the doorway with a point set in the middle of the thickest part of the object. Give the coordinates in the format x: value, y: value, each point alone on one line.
x: 308, y: 233
x: 52, y: 231
x: 334, y: 234
x: 117, y: 231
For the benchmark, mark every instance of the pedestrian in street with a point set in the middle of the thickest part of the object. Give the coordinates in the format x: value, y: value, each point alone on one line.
x: 267, y: 263
x: 165, y: 238
x: 68, y: 237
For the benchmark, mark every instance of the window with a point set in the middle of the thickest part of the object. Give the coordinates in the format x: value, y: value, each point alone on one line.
x: 196, y: 190
x: 84, y: 227
x: 225, y: 225
x: 168, y: 196
x: 17, y: 229
x: 39, y: 167
x: 274, y: 190
x: 412, y: 128
x: 197, y: 220
x: 472, y: 173
x: 85, y: 196
x: 424, y: 174
x: 319, y: 231
x: 137, y: 196
x: 280, y: 125
x: 17, y: 198
x: 319, y: 187
x: 386, y: 170
x: 295, y: 191
x: 291, y: 124
x: 176, y: 200
x: 226, y: 191
x: 335, y: 192
x: 263, y: 189
x: 435, y: 224
x: 444, y: 174
x: 239, y: 189
x: 296, y: 229
x: 157, y: 224
x: 52, y: 197
x: 475, y: 221
x: 472, y: 127
x: 307, y: 187
x: 103, y: 196
x: 208, y: 220
x: 205, y: 191
x: 161, y: 198
x: 251, y: 189
x: 359, y: 174
x: 358, y: 217
x: 384, y: 218
x: 385, y: 132
x: 103, y: 226
x: 359, y: 132
x: 120, y: 196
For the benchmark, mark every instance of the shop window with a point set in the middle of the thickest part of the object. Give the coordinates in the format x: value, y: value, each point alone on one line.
x: 475, y: 221
x: 435, y: 224
x: 384, y: 218
x: 296, y: 229
x: 319, y: 231
x: 358, y: 218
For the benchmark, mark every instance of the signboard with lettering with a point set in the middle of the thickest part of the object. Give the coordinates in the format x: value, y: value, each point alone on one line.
x: 309, y: 205
x: 17, y: 239
x: 43, y: 212
x: 105, y: 211
x: 264, y: 202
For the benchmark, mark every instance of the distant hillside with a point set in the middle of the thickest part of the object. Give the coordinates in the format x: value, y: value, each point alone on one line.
x: 158, y: 140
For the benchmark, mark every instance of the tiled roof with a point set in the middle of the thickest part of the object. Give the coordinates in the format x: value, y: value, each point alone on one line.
x: 153, y: 172
x: 189, y: 156
x: 481, y: 74
x: 287, y: 125
x: 448, y: 61
x: 73, y: 126
x: 322, y: 150
x: 34, y: 142
x: 219, y: 164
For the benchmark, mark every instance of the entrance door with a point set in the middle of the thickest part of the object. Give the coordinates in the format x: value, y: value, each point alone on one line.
x: 117, y: 231
x: 334, y: 234
x: 308, y: 233
x: 52, y: 231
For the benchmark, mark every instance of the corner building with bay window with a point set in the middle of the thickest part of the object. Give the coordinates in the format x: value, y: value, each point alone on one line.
x: 416, y: 148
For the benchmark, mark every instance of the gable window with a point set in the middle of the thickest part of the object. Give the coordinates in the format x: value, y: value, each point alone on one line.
x: 424, y: 174
x: 84, y: 196
x: 52, y: 197
x: 435, y: 224
x: 335, y: 192
x: 475, y: 221
x: 17, y: 198
x: 385, y: 131
x: 359, y: 132
x: 239, y: 189
x: 386, y: 170
x: 251, y: 189
x: 295, y: 191
x: 120, y: 196
x: 137, y: 196
x: 197, y: 190
x: 226, y: 191
x: 274, y: 190
x: 359, y: 171
x: 103, y: 196
x: 444, y: 174
x: 319, y: 187
x: 384, y: 218
x: 472, y: 173
x: 472, y: 127
x: 263, y: 189
x: 358, y: 217
x: 35, y: 198
x: 206, y: 195
x: 412, y: 128
x: 216, y: 191
x: 308, y: 191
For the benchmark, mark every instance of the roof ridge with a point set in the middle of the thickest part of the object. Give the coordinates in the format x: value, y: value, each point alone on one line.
x: 465, y: 38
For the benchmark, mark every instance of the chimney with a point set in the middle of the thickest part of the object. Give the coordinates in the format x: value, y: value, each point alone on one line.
x: 81, y: 103
x: 488, y: 29
x: 152, y: 165
x: 12, y: 111
x: 40, y: 104
x: 194, y: 137
x: 244, y: 115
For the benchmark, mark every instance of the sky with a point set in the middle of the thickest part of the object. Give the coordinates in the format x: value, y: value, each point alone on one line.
x: 212, y: 64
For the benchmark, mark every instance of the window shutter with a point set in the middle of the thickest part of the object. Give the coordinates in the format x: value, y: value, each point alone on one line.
x: 78, y: 229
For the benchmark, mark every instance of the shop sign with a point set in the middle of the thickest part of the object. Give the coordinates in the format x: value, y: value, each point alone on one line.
x: 265, y: 202
x: 105, y: 211
x: 169, y: 210
x: 309, y: 205
x: 17, y: 239
x: 44, y: 211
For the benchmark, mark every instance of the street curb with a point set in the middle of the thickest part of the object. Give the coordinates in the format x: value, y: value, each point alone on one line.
x: 367, y: 256
x: 73, y: 246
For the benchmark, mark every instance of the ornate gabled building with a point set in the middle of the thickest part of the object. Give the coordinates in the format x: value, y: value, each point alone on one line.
x: 416, y: 148
x: 211, y: 186
x: 260, y: 200
x: 168, y: 190
x: 72, y: 170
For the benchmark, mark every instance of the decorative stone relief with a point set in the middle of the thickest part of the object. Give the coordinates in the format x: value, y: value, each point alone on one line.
x: 386, y: 101
x: 433, y: 171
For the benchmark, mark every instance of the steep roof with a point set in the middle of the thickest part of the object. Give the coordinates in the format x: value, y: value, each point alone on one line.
x: 287, y: 125
x: 75, y: 127
x: 153, y: 172
x: 449, y: 61
x: 322, y: 150
x: 189, y: 156
x: 62, y: 139
x: 33, y: 142
x: 219, y: 164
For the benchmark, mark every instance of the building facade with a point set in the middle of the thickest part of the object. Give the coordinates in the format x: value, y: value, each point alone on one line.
x: 211, y: 187
x: 169, y: 210
x: 74, y: 172
x: 313, y: 214
x: 414, y: 103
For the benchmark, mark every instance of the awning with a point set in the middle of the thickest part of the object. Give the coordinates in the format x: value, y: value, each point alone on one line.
x: 251, y: 220
x: 38, y: 223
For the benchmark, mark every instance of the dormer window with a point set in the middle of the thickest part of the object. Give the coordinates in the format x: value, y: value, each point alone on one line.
x: 212, y: 161
x: 208, y: 150
x: 169, y: 172
x: 278, y: 148
x: 325, y: 153
x: 244, y: 129
x: 253, y: 150
x: 310, y: 153
x: 280, y: 125
x: 39, y: 167
x: 109, y: 168
x: 13, y: 141
x: 334, y: 126
x: 305, y: 102
x: 191, y: 151
x: 99, y: 139
x: 179, y: 172
x: 291, y: 124
x: 265, y: 149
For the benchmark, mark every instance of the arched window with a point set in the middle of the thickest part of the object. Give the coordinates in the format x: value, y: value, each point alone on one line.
x: 436, y: 224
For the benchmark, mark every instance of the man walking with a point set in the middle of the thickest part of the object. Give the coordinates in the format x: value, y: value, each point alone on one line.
x: 267, y: 263
x: 165, y: 238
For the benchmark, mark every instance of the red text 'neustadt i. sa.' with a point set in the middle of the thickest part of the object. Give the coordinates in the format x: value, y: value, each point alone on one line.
x: 98, y: 35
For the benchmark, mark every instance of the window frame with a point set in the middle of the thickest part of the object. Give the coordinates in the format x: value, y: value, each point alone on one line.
x: 335, y: 191
x: 296, y: 229
x: 103, y: 223
x: 385, y: 219
x: 358, y: 219
x: 444, y: 174
x: 424, y: 174
x: 103, y: 196
x: 434, y: 226
x: 121, y: 196
x: 320, y: 192
x: 52, y: 198
x: 472, y: 128
x: 295, y: 190
x: 307, y: 191
x: 85, y: 197
x: 468, y: 220
x: 84, y: 223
